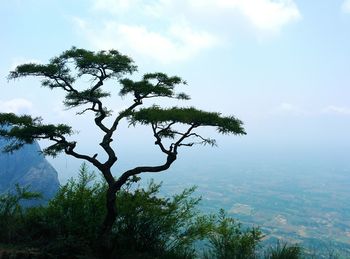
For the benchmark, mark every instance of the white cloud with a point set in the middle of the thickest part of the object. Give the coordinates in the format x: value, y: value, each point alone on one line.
x: 341, y: 110
x: 268, y: 15
x: 178, y: 43
x: 346, y: 6
x: 17, y: 105
x: 169, y: 30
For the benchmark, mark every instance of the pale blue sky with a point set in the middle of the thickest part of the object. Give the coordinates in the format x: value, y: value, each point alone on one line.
x: 280, y: 66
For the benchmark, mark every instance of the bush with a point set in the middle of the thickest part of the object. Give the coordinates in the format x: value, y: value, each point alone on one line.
x: 156, y: 226
x: 12, y: 214
x: 228, y: 240
x: 284, y: 251
x: 67, y: 226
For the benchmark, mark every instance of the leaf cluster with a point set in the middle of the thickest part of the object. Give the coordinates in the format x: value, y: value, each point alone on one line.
x: 58, y: 73
x: 74, y: 99
x: 19, y: 130
x: 102, y: 63
x: 153, y: 85
x: 189, y: 116
x: 55, y: 74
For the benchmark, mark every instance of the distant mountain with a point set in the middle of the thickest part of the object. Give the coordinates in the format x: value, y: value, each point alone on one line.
x: 27, y: 167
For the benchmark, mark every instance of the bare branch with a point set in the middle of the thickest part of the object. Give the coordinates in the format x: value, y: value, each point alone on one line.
x: 87, y: 109
x: 188, y: 144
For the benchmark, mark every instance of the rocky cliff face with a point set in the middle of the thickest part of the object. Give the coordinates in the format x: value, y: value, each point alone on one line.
x: 27, y: 167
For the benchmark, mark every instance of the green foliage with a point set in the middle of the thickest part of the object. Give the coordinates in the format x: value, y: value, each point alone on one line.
x: 78, y: 207
x: 74, y: 99
x: 228, y: 240
x: 23, y: 129
x: 68, y: 225
x: 54, y: 71
x: 12, y: 213
x: 153, y: 85
x: 190, y: 116
x: 111, y: 62
x: 284, y: 251
x: 159, y: 226
x: 57, y: 72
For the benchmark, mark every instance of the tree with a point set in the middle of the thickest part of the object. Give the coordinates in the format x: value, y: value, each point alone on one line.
x: 172, y: 128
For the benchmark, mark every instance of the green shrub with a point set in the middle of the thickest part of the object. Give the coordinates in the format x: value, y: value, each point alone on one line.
x: 284, y: 251
x: 67, y: 226
x: 12, y: 214
x: 160, y: 227
x: 78, y: 208
x: 228, y: 240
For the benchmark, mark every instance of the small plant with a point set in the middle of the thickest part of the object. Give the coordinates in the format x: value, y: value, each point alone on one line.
x: 11, y: 211
x: 284, y: 251
x: 228, y: 240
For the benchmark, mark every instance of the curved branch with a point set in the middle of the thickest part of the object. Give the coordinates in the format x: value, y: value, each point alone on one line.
x: 107, y: 139
x: 159, y: 140
x: 105, y: 171
x: 143, y: 169
x: 101, y: 117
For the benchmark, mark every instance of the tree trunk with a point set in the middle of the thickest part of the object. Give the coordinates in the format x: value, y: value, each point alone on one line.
x: 111, y: 211
x: 104, y: 242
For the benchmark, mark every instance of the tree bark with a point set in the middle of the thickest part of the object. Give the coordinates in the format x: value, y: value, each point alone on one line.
x: 104, y: 241
x: 111, y: 214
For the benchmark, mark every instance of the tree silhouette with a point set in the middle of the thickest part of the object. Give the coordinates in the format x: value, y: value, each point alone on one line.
x: 172, y: 128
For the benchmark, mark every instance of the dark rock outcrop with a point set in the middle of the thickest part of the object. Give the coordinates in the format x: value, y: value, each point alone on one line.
x: 27, y: 167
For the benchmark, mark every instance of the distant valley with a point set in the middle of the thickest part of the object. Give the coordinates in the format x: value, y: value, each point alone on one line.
x: 302, y: 204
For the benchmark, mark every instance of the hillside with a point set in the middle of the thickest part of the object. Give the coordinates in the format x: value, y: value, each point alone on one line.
x: 27, y: 167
